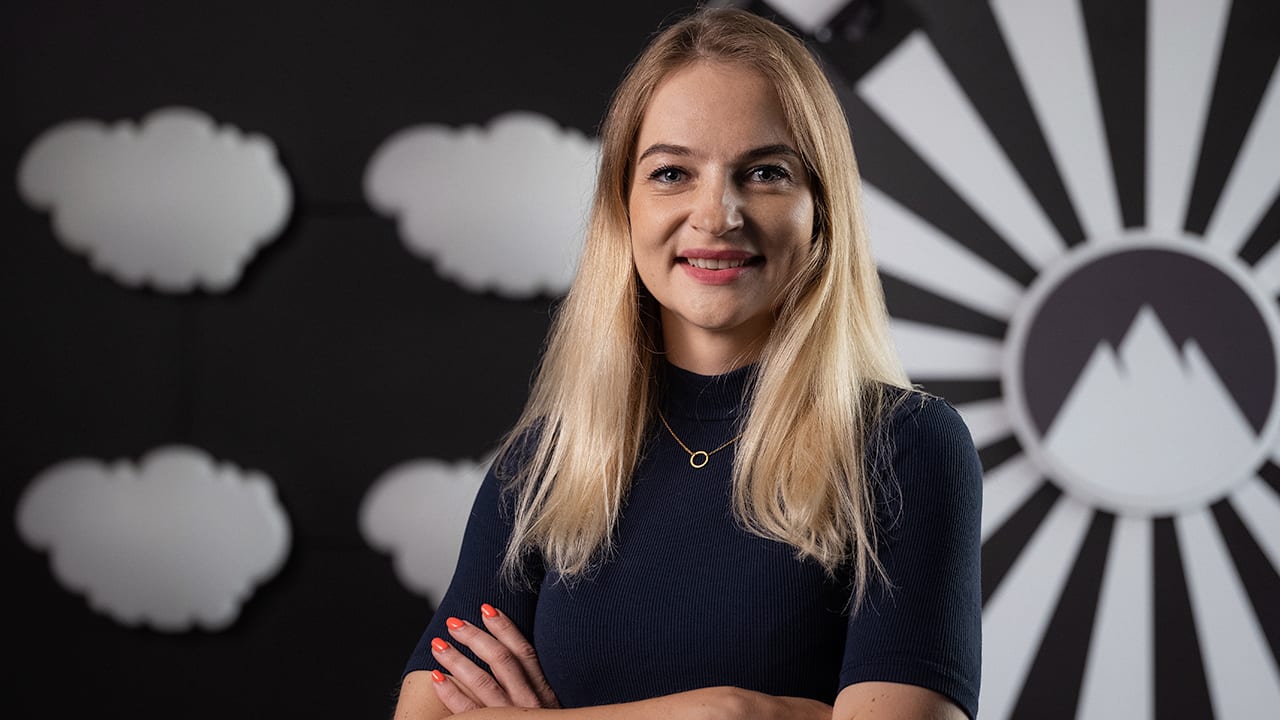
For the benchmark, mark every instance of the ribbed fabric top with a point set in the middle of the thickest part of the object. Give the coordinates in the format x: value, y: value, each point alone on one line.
x: 691, y: 600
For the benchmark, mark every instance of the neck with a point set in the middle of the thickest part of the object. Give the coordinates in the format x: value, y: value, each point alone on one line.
x: 711, y: 352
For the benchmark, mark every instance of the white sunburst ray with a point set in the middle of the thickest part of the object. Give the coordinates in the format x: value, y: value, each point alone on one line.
x: 1254, y: 181
x: 1119, y: 677
x: 907, y: 246
x: 1016, y: 616
x: 1005, y: 489
x: 1050, y: 49
x: 1241, y: 673
x: 1184, y: 41
x: 1267, y: 272
x: 811, y: 16
x: 1259, y: 509
x: 928, y: 351
x: 915, y: 93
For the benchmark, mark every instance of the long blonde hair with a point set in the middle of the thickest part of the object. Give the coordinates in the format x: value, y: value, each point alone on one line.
x: 799, y: 472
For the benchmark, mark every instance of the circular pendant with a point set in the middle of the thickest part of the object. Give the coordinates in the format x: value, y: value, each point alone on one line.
x: 694, y: 461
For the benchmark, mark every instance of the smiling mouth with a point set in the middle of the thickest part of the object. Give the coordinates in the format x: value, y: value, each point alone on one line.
x: 720, y: 263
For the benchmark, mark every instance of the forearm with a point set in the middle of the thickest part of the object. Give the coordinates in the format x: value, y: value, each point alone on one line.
x: 714, y: 703
x: 703, y: 704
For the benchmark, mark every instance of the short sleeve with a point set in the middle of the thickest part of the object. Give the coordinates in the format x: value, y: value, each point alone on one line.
x: 477, y: 577
x: 925, y: 628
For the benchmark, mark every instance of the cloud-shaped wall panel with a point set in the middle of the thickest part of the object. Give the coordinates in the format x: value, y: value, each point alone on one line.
x: 417, y: 512
x: 500, y: 208
x: 174, y: 541
x: 172, y: 203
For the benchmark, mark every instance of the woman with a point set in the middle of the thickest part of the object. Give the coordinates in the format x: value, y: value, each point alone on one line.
x: 722, y: 499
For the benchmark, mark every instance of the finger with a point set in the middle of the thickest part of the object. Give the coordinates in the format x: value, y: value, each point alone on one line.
x: 463, y: 689
x: 506, y: 632
x: 506, y: 668
x: 469, y: 676
x: 451, y: 695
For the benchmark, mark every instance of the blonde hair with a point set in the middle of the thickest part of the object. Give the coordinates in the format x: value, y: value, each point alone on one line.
x: 800, y: 473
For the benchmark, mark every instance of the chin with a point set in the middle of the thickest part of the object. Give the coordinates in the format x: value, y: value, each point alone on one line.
x: 726, y: 324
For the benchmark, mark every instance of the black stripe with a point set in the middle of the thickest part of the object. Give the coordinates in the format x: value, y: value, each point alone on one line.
x: 1249, y: 55
x: 1256, y: 572
x: 997, y: 453
x: 1270, y: 474
x: 1181, y: 690
x: 1118, y: 46
x: 891, y: 165
x: 1052, y: 688
x: 969, y: 40
x: 911, y: 302
x: 1264, y: 235
x: 1004, y: 546
x: 958, y: 392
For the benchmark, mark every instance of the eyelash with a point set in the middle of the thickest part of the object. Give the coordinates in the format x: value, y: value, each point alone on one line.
x: 657, y: 174
x: 780, y: 172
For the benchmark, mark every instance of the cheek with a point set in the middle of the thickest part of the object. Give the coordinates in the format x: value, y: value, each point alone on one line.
x: 635, y: 228
x: 637, y: 216
x: 643, y: 246
x: 806, y: 219
x: 652, y: 227
x: 793, y: 228
x: 646, y: 213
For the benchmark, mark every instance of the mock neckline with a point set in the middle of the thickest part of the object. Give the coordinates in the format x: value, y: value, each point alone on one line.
x: 705, y: 397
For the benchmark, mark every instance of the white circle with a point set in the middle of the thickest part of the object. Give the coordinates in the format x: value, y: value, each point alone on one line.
x: 1130, y: 486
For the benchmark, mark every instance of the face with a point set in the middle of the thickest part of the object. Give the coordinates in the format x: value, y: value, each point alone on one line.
x: 721, y: 206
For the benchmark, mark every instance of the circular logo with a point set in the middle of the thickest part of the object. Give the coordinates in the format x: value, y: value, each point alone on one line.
x: 1077, y: 240
x: 1142, y: 375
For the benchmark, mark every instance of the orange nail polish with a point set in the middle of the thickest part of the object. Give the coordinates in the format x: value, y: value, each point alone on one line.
x: 454, y: 623
x: 488, y: 610
x: 437, y: 676
x: 439, y: 645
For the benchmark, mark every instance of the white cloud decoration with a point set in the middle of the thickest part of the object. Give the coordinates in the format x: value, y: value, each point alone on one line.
x: 173, y: 202
x: 417, y: 512
x: 501, y: 208
x: 174, y: 541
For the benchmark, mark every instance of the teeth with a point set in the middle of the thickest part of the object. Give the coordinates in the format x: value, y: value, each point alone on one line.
x: 709, y: 264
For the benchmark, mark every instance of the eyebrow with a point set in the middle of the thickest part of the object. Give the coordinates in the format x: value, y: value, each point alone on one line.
x: 763, y: 151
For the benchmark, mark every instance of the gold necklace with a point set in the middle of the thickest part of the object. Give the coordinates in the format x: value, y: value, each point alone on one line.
x: 695, y: 454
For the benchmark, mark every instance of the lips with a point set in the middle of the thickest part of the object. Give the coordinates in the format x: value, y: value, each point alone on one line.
x: 717, y: 267
x: 718, y: 259
x: 710, y: 264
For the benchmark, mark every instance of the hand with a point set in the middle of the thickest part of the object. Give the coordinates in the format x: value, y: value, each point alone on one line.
x: 517, y: 678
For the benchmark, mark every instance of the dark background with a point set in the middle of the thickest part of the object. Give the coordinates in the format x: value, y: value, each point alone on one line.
x: 337, y: 355
x: 340, y: 354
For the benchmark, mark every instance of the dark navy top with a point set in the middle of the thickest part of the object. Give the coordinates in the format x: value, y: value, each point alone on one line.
x: 689, y: 599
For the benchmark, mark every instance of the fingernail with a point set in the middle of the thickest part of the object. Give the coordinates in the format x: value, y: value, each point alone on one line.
x: 437, y: 676
x: 488, y: 610
x: 439, y: 645
x: 454, y: 623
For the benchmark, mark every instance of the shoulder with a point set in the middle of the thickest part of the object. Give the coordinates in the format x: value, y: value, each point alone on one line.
x: 922, y: 442
x: 923, y: 624
x: 922, y: 422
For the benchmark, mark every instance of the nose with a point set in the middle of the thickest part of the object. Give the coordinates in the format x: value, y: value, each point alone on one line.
x: 717, y: 208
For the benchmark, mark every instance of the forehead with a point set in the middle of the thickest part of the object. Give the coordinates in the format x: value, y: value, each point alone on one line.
x: 714, y: 107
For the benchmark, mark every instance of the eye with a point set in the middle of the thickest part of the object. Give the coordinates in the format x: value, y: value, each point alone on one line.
x: 768, y: 174
x: 667, y: 174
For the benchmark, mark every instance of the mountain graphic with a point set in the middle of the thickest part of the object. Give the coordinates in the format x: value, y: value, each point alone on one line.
x: 1149, y: 421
